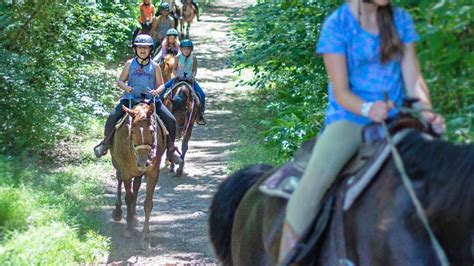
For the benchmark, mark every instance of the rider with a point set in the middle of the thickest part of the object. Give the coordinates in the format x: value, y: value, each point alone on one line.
x: 368, y: 49
x: 147, y: 9
x: 186, y: 69
x: 170, y: 45
x: 143, y: 76
x: 162, y: 23
x: 196, y: 8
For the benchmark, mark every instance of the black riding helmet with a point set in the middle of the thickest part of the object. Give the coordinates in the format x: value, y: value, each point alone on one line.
x: 143, y: 40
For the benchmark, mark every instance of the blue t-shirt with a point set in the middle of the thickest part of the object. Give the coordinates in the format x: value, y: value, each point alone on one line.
x: 141, y: 79
x: 368, y: 77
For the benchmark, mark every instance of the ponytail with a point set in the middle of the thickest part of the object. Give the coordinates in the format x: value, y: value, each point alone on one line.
x: 390, y: 44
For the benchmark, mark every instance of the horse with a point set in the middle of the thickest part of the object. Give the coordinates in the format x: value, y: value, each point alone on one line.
x: 182, y: 104
x: 188, y: 13
x: 381, y: 228
x: 136, y: 151
x: 167, y: 67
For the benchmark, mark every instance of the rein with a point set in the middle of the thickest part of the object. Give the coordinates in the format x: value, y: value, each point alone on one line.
x: 441, y: 254
x: 152, y: 148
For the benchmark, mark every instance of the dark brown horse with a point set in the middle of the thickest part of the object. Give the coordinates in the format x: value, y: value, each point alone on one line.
x: 137, y: 152
x: 381, y: 228
x: 185, y: 109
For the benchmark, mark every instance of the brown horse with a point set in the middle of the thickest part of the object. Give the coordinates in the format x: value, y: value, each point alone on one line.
x: 167, y: 67
x: 188, y: 12
x: 136, y: 151
x: 184, y: 107
x: 381, y: 228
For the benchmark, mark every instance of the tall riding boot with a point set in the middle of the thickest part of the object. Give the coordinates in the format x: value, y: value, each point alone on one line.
x: 288, y: 242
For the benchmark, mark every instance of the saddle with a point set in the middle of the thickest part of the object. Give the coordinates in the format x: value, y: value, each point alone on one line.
x: 356, y: 175
x: 175, y: 91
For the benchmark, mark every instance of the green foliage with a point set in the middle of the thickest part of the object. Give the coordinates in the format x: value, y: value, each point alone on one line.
x: 53, y: 75
x: 445, y: 52
x: 49, y: 217
x: 52, y: 244
x: 277, y: 39
x: 15, y: 207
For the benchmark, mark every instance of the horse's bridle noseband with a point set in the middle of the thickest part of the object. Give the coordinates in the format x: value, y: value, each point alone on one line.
x: 143, y: 146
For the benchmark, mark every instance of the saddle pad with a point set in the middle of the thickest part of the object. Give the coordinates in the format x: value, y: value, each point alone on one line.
x: 284, y: 181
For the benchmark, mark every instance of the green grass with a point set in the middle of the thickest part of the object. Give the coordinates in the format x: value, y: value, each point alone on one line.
x: 48, y: 209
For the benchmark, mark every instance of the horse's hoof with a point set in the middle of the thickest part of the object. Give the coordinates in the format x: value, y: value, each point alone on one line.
x: 179, y: 172
x: 117, y: 215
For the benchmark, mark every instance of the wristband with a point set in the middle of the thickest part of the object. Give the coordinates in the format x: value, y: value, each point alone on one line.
x: 365, y: 108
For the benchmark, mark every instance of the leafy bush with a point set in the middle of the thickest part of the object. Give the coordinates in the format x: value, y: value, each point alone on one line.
x: 277, y: 41
x: 53, y: 67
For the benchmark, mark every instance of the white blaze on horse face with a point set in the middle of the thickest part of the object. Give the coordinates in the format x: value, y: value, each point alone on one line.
x: 143, y: 137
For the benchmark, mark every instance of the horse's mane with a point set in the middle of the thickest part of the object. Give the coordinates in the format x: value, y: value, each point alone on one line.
x: 448, y: 170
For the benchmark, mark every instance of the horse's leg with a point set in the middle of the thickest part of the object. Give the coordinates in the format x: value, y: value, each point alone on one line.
x: 117, y: 212
x: 129, y: 200
x: 171, y: 167
x: 137, y: 182
x: 184, y: 148
x: 151, y: 179
x: 188, y: 25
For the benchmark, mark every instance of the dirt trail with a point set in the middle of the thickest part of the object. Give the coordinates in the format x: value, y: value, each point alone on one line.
x: 179, y: 219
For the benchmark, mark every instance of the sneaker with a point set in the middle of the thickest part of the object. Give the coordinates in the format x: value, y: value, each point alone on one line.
x: 100, y: 150
x: 201, y: 120
x: 173, y: 157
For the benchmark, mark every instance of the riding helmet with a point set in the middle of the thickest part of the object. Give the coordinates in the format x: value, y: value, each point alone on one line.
x: 164, y: 6
x: 172, y: 32
x: 143, y: 39
x: 186, y: 43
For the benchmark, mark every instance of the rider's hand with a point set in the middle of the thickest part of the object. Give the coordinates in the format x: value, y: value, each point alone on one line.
x: 154, y: 92
x: 379, y: 111
x: 436, y: 121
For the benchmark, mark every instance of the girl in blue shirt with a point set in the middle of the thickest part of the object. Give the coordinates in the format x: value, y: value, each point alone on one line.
x: 368, y: 48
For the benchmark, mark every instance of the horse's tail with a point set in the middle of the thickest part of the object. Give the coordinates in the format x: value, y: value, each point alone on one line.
x: 225, y: 203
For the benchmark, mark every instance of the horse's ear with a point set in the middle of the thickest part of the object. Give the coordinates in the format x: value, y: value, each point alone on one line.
x: 128, y: 111
x: 151, y: 109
